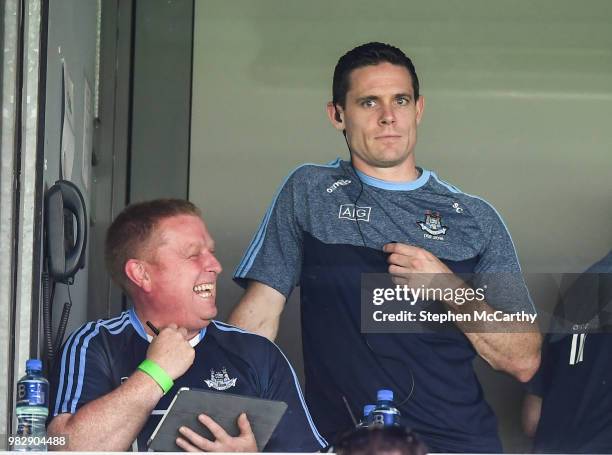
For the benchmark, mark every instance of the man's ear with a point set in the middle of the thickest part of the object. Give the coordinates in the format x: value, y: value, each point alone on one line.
x: 335, y: 115
x: 136, y: 271
x: 420, y: 107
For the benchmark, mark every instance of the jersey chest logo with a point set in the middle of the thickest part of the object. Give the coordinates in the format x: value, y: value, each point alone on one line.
x: 354, y: 213
x: 577, y: 350
x: 220, y: 380
x: 337, y: 184
x: 433, y: 226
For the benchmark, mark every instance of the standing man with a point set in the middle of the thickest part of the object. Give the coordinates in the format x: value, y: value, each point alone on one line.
x: 381, y: 213
x: 116, y: 377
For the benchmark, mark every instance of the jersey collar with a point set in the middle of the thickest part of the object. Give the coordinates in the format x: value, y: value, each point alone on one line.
x: 395, y: 186
x: 143, y: 334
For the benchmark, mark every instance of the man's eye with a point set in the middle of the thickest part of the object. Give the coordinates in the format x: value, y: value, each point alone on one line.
x: 403, y: 101
x: 368, y: 103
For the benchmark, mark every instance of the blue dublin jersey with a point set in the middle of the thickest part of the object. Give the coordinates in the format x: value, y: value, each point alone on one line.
x: 102, y: 354
x: 325, y: 228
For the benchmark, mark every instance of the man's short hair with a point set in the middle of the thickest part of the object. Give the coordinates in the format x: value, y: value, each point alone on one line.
x: 380, y: 440
x: 365, y: 55
x: 129, y: 236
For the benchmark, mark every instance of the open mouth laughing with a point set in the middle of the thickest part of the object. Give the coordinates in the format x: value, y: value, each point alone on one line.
x: 204, y: 290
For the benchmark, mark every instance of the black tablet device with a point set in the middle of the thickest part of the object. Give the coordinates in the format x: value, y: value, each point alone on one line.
x: 223, y: 408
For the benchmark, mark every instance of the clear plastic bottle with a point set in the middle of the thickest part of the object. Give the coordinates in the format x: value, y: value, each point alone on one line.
x: 32, y: 409
x: 385, y: 413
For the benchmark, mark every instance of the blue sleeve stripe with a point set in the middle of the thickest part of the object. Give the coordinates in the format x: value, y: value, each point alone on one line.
x: 257, y: 241
x: 76, y: 341
x: 63, y: 395
x: 454, y: 189
x: 123, y: 324
x: 60, y: 388
x: 451, y: 188
x: 230, y: 328
x: 72, y: 362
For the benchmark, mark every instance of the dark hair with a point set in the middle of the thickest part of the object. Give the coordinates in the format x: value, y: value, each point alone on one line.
x: 364, y: 55
x: 129, y: 235
x: 376, y: 440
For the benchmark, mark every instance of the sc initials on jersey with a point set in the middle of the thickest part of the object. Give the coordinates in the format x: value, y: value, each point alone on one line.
x: 354, y: 213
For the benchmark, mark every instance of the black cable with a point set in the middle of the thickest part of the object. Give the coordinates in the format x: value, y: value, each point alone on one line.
x: 52, y: 297
x: 360, y: 189
x: 61, y: 329
x: 47, y: 322
x: 405, y: 400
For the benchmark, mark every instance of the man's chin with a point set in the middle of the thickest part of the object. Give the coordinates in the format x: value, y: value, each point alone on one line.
x: 202, y: 318
x: 210, y: 314
x: 204, y: 321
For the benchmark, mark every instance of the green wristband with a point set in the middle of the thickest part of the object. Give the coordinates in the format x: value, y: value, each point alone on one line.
x: 158, y: 374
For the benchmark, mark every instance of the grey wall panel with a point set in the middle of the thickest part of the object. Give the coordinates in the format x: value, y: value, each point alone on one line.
x: 110, y: 173
x: 161, y: 99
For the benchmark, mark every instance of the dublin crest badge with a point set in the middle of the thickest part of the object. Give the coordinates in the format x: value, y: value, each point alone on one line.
x: 433, y: 226
x: 220, y: 380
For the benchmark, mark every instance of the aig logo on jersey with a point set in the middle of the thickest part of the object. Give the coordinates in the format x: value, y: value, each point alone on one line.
x: 433, y: 226
x: 350, y: 212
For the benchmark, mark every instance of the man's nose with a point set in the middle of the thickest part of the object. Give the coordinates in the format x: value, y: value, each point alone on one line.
x: 212, y: 264
x: 387, y: 115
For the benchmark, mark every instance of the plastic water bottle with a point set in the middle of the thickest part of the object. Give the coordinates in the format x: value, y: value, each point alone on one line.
x: 367, y: 414
x: 32, y: 409
x: 385, y: 413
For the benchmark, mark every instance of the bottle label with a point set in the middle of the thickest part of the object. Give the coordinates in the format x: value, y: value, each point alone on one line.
x: 32, y: 393
x: 385, y: 418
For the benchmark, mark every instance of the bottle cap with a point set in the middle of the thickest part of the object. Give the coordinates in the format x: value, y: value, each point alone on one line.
x: 384, y: 395
x: 34, y: 364
x: 367, y: 409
